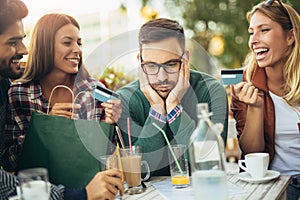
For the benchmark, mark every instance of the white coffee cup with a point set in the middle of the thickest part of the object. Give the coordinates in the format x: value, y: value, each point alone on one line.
x: 256, y: 164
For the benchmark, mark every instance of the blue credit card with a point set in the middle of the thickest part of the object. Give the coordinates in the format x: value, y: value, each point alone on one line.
x: 103, y: 94
x: 231, y: 76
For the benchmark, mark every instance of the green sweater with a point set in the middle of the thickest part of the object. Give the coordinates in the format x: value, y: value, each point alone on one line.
x: 203, y: 88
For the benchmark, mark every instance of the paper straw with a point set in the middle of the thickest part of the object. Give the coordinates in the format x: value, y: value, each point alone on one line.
x: 120, y: 162
x: 169, y: 145
x: 129, y: 135
x: 120, y: 137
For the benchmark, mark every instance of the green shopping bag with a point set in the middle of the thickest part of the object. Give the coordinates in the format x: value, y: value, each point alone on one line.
x: 68, y: 148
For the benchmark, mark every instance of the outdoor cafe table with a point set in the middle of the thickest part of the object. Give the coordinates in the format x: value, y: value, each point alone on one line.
x: 273, y: 190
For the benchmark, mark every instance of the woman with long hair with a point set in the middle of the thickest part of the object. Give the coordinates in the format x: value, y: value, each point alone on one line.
x: 55, y: 59
x: 266, y: 105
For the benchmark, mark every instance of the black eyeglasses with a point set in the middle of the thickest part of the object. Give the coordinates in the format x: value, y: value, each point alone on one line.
x: 171, y: 66
x: 270, y: 2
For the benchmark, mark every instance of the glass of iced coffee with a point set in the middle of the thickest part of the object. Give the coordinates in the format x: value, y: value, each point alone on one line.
x: 132, y: 162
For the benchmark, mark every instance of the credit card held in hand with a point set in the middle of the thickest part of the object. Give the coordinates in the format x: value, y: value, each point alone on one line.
x: 231, y: 76
x: 103, y: 94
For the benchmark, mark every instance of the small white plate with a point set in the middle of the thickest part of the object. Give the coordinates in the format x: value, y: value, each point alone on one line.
x: 271, y: 174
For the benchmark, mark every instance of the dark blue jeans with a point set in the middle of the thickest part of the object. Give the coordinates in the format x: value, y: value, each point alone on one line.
x: 293, y: 189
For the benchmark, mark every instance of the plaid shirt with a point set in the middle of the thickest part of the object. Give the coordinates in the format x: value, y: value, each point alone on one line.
x: 4, y: 86
x: 26, y: 98
x: 175, y: 112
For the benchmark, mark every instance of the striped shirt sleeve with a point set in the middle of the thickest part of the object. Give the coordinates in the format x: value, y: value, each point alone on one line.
x: 157, y: 116
x: 9, y: 183
x: 175, y: 112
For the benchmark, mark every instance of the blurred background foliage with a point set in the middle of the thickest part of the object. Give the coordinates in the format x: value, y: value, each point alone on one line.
x: 114, y: 77
x: 220, y: 26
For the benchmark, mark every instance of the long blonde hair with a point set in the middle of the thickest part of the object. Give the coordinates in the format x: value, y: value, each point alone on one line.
x: 291, y: 69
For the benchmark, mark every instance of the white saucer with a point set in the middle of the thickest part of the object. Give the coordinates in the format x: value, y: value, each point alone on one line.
x: 271, y: 174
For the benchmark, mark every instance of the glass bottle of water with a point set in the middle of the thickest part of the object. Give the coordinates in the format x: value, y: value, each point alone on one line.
x: 207, y: 158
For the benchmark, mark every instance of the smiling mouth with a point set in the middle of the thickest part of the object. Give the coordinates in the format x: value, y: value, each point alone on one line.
x: 73, y: 60
x: 260, y: 52
x: 15, y: 61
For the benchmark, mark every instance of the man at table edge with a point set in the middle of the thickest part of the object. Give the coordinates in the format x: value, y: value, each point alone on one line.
x: 167, y: 93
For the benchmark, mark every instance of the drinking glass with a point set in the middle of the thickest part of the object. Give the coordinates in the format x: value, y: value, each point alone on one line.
x: 34, y: 184
x: 108, y: 162
x: 132, y: 162
x: 179, y: 168
x: 111, y: 162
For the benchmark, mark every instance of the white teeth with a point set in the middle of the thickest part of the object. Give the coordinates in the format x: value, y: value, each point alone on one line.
x: 15, y: 61
x: 73, y: 60
x: 261, y: 50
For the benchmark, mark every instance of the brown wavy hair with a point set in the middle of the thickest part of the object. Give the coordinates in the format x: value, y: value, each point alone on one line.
x: 10, y: 12
x: 159, y: 29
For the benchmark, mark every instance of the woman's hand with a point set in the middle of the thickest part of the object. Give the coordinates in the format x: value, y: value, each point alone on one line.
x: 113, y: 111
x: 64, y: 110
x: 252, y: 131
x: 247, y: 93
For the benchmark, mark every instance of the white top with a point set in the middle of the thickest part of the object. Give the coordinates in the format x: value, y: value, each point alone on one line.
x: 287, y: 138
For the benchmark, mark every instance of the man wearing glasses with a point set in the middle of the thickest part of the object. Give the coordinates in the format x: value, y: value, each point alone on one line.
x: 167, y: 93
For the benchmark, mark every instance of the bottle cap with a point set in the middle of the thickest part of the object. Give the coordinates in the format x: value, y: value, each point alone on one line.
x: 202, y: 110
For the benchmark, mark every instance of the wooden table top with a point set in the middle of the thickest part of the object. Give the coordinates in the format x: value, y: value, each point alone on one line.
x: 273, y: 190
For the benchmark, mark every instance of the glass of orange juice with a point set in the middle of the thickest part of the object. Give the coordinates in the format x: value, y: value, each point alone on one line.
x: 179, y: 168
